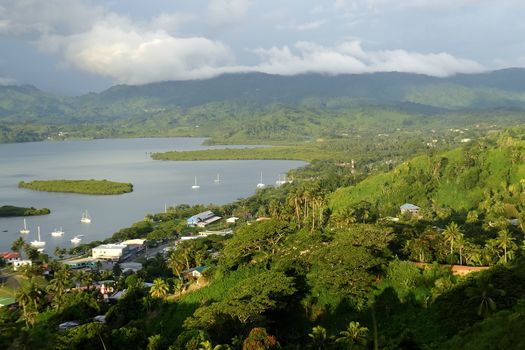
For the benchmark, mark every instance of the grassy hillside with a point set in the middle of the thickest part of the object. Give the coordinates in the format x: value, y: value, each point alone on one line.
x: 462, y: 179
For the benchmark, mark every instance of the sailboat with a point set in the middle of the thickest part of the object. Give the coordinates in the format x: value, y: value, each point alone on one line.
x: 57, y: 233
x: 261, y: 184
x: 38, y: 243
x: 77, y: 239
x: 85, y: 218
x: 25, y: 230
x: 282, y: 180
x: 218, y: 179
x: 195, y: 186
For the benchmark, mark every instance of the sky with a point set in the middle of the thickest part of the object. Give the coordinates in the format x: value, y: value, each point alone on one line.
x: 77, y: 46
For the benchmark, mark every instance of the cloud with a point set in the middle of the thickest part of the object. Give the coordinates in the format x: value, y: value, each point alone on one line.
x: 136, y: 56
x: 35, y: 17
x: 171, y: 22
x: 227, y: 12
x: 309, y: 25
x: 350, y: 57
x: 7, y: 81
x: 96, y: 40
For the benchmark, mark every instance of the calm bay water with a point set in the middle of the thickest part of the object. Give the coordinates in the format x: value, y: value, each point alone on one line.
x: 155, y: 183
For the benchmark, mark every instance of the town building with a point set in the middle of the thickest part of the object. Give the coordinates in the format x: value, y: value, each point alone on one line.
x: 202, y: 219
x: 112, y: 252
x: 10, y: 257
x: 408, y: 208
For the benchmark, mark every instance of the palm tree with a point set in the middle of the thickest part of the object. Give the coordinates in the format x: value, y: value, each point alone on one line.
x: 18, y: 244
x: 29, y: 297
x: 58, y: 286
x: 484, y: 292
x: 461, y: 243
x: 175, y: 263
x: 451, y: 233
x: 159, y: 289
x: 505, y: 241
x: 319, y: 337
x: 355, y: 335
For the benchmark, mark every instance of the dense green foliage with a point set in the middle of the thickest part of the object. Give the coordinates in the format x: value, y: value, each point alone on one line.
x: 100, y: 187
x: 10, y: 210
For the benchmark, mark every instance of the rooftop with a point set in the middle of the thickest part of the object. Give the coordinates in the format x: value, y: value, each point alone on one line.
x: 111, y: 246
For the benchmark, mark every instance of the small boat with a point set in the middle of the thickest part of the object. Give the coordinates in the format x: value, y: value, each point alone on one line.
x: 25, y: 230
x: 195, y: 187
x: 261, y: 184
x: 76, y: 239
x: 38, y: 243
x: 218, y: 179
x: 85, y: 218
x: 57, y: 233
x: 282, y: 180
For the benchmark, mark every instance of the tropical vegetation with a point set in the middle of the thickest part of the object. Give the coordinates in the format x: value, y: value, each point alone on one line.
x: 98, y: 187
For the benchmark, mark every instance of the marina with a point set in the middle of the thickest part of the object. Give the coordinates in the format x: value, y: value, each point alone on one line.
x: 157, y: 185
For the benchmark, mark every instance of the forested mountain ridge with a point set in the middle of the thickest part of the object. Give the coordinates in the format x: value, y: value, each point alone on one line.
x: 256, y: 108
x: 505, y: 88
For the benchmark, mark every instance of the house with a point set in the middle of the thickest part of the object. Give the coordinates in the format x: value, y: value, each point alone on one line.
x: 195, y: 272
x: 409, y: 209
x: 112, y: 252
x: 202, y: 219
x: 232, y: 220
x: 135, y: 245
x: 131, y: 266
x: 10, y: 257
x: 19, y: 263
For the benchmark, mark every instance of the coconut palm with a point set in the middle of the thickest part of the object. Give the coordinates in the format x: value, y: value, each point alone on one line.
x: 505, y: 241
x: 58, y: 285
x: 452, y: 234
x: 484, y: 292
x: 29, y: 297
x: 159, y: 289
x: 18, y: 244
x: 355, y: 336
x: 319, y: 337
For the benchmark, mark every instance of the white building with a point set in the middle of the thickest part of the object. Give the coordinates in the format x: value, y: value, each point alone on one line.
x: 111, y: 252
x: 20, y: 263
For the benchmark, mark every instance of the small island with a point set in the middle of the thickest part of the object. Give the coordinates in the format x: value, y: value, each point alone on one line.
x: 97, y: 187
x: 11, y: 210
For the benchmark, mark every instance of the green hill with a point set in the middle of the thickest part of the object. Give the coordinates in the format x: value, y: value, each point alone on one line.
x: 468, y: 178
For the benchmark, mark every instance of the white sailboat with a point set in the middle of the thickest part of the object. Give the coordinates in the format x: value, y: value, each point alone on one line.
x: 261, y: 184
x: 25, y: 230
x: 57, y: 233
x: 218, y: 179
x: 38, y: 243
x: 195, y: 186
x: 85, y: 218
x: 77, y: 239
x: 282, y: 180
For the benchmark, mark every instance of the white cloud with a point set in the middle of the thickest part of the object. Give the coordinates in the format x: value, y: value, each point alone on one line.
x: 171, y: 22
x: 226, y: 12
x: 130, y: 55
x: 96, y: 40
x: 309, y: 25
x: 350, y: 57
x: 29, y: 17
x: 7, y: 81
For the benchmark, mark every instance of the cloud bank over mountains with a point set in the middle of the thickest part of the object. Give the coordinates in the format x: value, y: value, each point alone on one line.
x: 208, y: 39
